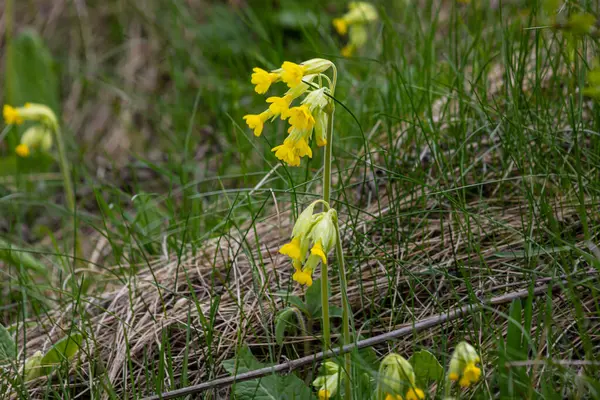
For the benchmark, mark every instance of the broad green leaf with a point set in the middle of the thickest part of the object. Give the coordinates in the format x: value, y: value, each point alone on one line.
x: 64, y: 349
x: 313, y: 299
x: 7, y: 346
x: 283, y: 320
x: 33, y: 366
x: 31, y: 75
x: 18, y: 257
x: 269, y: 387
x: 427, y: 368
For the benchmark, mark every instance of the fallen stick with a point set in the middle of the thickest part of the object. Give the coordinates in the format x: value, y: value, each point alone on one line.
x: 395, y: 334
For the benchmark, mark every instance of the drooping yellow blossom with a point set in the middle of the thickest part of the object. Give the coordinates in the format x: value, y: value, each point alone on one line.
x: 22, y: 150
x: 396, y: 376
x: 280, y: 105
x: 393, y: 397
x: 415, y: 394
x: 256, y: 121
x: 263, y: 79
x: 317, y: 250
x: 340, y: 25
x: 292, y: 249
x: 316, y: 230
x: 324, y: 394
x: 30, y: 112
x: 354, y: 23
x: 462, y: 365
x: 328, y: 381
x: 348, y: 50
x: 292, y: 73
x: 301, y: 118
x: 11, y: 115
x: 299, y: 78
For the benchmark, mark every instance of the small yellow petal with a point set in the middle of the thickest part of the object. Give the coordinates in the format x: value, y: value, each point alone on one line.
x: 263, y: 80
x: 323, y: 394
x: 292, y: 249
x: 340, y: 26
x: 415, y: 394
x: 22, y: 150
x: 453, y: 376
x: 11, y: 115
x: 317, y: 250
x: 472, y: 373
x: 464, y: 382
x: 303, y: 277
x: 292, y: 73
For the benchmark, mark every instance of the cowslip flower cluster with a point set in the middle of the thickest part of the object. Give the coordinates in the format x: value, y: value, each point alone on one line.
x: 328, y: 382
x: 314, y: 231
x: 462, y: 365
x: 397, y: 377
x: 354, y: 23
x: 311, y: 115
x: 38, y: 136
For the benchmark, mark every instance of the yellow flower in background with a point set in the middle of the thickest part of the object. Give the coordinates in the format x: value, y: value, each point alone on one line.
x: 415, y: 394
x: 30, y: 112
x: 263, y: 80
x: 11, y: 115
x: 22, y: 150
x: 37, y: 137
x: 354, y: 23
x: 324, y: 394
x: 328, y: 381
x: 462, y: 365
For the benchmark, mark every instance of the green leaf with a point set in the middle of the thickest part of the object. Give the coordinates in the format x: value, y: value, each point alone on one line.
x: 283, y: 320
x: 7, y: 346
x: 267, y: 388
x: 18, y: 257
x: 33, y: 366
x: 31, y: 72
x: 64, y: 349
x: 514, y: 333
x: 427, y: 368
x: 313, y: 299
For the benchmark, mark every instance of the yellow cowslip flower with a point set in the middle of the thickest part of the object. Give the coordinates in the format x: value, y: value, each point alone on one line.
x: 256, y: 121
x: 292, y: 73
x: 327, y: 383
x: 292, y: 249
x: 22, y: 150
x: 37, y: 137
x: 348, y: 50
x: 11, y: 115
x: 301, y: 118
x: 462, y: 365
x: 263, y: 79
x: 393, y: 397
x: 30, y: 112
x: 299, y: 78
x: 358, y: 13
x: 324, y: 394
x: 415, y: 394
x: 318, y: 230
x: 396, y: 376
x: 280, y: 105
